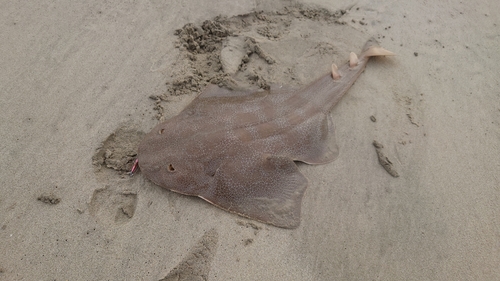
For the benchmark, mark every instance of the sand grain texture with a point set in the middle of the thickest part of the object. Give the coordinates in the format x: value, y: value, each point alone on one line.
x: 73, y: 74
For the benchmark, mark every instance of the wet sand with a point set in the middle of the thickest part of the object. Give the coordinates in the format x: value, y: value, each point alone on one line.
x: 81, y: 84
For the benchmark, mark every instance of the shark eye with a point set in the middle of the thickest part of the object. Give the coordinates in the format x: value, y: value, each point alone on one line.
x: 170, y: 168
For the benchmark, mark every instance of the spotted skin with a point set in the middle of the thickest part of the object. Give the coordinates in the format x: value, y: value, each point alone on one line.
x: 236, y: 149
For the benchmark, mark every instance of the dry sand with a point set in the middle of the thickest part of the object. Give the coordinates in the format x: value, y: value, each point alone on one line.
x: 81, y: 83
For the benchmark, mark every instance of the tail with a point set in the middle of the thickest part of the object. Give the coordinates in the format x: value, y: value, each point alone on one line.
x: 373, y: 49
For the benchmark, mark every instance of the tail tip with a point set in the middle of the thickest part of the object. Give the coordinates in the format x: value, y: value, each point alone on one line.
x: 372, y: 49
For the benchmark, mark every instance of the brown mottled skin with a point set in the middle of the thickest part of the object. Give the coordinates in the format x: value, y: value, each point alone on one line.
x: 236, y: 149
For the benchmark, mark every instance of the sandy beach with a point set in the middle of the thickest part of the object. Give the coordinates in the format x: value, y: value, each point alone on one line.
x: 82, y: 83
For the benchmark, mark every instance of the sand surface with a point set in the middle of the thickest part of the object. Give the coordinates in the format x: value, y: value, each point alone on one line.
x: 81, y: 83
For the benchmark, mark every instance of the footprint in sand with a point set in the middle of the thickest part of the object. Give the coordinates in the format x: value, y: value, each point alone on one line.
x: 113, y: 207
x: 117, y: 201
x: 195, y: 266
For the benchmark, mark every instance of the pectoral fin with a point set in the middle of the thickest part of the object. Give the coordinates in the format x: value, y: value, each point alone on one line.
x: 266, y: 188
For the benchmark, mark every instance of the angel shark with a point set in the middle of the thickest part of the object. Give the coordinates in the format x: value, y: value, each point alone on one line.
x: 236, y: 149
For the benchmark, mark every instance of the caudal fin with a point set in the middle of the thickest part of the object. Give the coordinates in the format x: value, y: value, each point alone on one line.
x: 373, y: 49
